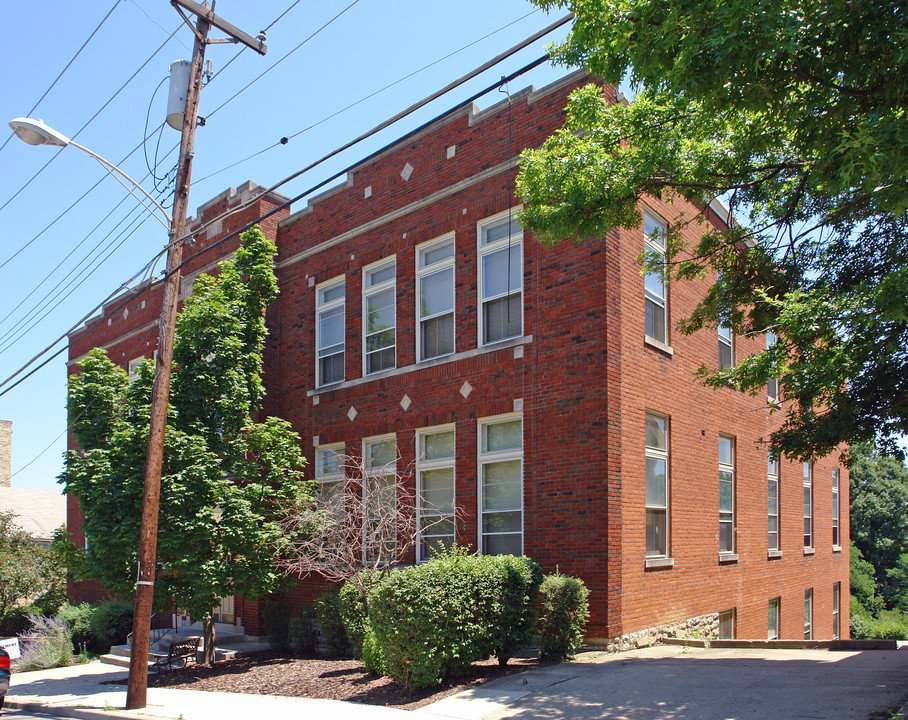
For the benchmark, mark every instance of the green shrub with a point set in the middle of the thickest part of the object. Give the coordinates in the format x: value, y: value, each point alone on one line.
x: 564, y: 613
x: 17, y: 621
x: 50, y: 601
x: 304, y: 633
x: 861, y: 626
x: 331, y: 623
x: 276, y: 618
x: 371, y: 654
x: 51, y: 645
x: 353, y: 613
x: 78, y: 619
x: 513, y: 626
x: 891, y: 625
x: 111, y: 623
x: 437, y: 618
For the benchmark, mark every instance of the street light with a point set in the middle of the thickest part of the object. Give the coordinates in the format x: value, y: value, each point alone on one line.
x: 35, y: 132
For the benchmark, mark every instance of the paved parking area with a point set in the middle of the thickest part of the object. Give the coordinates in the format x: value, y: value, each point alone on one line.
x: 675, y: 683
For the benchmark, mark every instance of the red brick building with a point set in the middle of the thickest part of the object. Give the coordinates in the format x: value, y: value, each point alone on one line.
x: 542, y: 391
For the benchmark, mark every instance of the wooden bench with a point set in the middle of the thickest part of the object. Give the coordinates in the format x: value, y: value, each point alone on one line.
x: 180, y: 652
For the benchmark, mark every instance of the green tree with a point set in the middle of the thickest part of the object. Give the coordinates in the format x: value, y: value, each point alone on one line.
x: 27, y: 570
x: 793, y: 112
x: 879, y: 517
x: 225, y: 477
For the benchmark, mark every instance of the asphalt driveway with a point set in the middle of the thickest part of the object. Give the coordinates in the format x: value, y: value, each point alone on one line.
x: 675, y: 683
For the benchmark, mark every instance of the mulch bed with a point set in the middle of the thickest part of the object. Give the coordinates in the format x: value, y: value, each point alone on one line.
x: 269, y: 673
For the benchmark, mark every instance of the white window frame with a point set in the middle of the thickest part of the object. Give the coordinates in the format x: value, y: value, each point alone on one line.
x: 655, y: 243
x: 727, y: 517
x: 322, y: 307
x: 836, y: 610
x: 772, y: 493
x: 132, y: 369
x: 423, y: 465
x: 325, y: 478
x: 808, y: 614
x: 772, y: 384
x: 370, y: 290
x: 808, y: 505
x: 423, y: 270
x: 513, y: 242
x: 657, y: 454
x: 385, y: 471
x: 485, y: 458
x: 836, y: 477
x: 727, y: 343
x: 773, y: 620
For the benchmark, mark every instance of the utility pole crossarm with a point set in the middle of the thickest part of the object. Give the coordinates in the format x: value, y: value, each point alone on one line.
x: 222, y: 25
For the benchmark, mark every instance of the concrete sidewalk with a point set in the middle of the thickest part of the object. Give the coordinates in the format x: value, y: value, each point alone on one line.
x: 660, y: 683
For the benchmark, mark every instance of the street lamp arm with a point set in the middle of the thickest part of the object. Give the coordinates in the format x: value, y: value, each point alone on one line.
x: 36, y: 132
x: 114, y: 171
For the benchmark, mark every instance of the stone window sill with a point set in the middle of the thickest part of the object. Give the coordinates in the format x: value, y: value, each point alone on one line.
x: 728, y: 558
x: 773, y: 554
x: 659, y: 562
x: 837, y: 548
x: 809, y: 551
x: 658, y: 344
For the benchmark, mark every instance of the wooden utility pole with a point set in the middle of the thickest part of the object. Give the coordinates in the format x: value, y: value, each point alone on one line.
x: 137, y: 687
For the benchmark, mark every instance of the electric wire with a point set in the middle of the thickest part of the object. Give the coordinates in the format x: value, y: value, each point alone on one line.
x: 90, y: 120
x: 71, y: 61
x: 403, y: 113
x: 395, y: 118
x: 285, y: 140
x: 274, y: 65
x: 46, y: 303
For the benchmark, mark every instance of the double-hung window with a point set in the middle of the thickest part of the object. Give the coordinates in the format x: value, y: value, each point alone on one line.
x: 501, y: 474
x: 434, y: 490
x: 135, y: 366
x: 808, y: 614
x: 772, y: 500
x: 380, y: 498
x: 726, y: 494
x: 836, y: 599
x: 772, y: 631
x: 379, y: 315
x: 329, y: 474
x: 501, y: 279
x: 726, y: 346
x: 329, y: 332
x: 772, y: 384
x: 835, y: 508
x: 656, y: 485
x: 808, y: 505
x: 656, y: 308
x: 435, y: 298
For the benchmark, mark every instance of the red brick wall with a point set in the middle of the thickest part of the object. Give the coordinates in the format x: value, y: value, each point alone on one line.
x: 582, y: 375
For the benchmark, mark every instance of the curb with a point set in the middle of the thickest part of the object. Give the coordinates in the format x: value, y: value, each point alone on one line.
x: 81, y: 713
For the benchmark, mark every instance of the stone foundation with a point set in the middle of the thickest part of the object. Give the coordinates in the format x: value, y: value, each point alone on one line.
x: 703, y: 627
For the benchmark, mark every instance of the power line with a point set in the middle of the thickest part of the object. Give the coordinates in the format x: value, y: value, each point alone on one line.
x: 72, y: 60
x: 259, y: 77
x: 499, y: 58
x: 285, y: 140
x: 91, y: 119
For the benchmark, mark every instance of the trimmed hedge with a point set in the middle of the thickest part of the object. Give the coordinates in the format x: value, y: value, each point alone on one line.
x: 328, y: 610
x: 353, y: 614
x: 436, y: 619
x: 565, y: 611
x: 111, y: 623
x: 276, y: 619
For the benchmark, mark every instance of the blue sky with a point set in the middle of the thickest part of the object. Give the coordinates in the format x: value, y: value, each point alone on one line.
x: 53, y: 273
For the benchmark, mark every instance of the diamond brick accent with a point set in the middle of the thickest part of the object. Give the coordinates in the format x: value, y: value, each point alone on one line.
x: 466, y: 389
x: 351, y: 413
x: 406, y: 172
x: 406, y: 402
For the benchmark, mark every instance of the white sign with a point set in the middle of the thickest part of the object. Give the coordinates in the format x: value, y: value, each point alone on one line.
x: 12, y: 647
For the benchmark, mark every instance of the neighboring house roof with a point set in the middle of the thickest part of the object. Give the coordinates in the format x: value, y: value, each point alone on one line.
x: 40, y: 512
